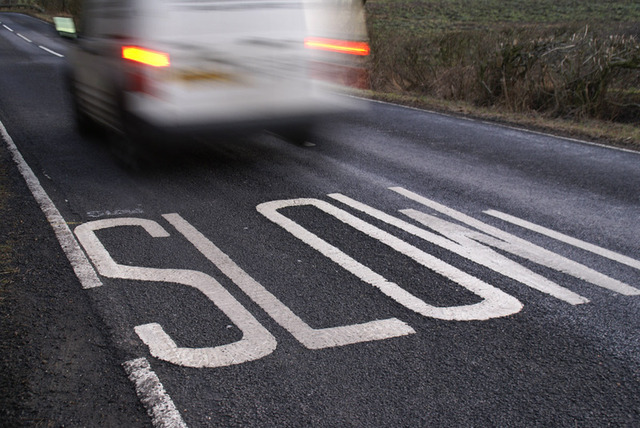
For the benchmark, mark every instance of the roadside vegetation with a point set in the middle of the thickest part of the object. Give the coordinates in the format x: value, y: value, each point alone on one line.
x: 564, y: 65
x: 567, y: 66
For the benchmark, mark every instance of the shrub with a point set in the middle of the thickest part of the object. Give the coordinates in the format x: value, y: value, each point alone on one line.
x: 553, y: 70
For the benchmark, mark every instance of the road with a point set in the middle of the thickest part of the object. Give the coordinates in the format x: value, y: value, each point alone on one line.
x: 410, y: 269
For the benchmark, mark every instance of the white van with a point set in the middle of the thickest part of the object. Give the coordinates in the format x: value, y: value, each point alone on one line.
x: 169, y: 68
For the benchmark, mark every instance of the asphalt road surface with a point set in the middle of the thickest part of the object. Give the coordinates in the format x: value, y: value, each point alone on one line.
x: 410, y: 269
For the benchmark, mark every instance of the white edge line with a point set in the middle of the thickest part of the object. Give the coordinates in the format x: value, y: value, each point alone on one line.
x: 81, y: 266
x: 50, y: 51
x: 501, y: 125
x: 162, y: 409
x: 152, y: 394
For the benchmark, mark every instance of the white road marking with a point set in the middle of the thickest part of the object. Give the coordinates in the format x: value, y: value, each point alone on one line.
x: 502, y: 240
x: 466, y: 248
x: 81, y: 266
x: 29, y: 41
x: 620, y: 258
x: 495, y: 303
x: 50, y: 51
x: 152, y: 394
x: 309, y: 337
x: 256, y: 342
x: 105, y: 213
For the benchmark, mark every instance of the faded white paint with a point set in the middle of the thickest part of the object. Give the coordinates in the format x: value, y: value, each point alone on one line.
x: 152, y: 395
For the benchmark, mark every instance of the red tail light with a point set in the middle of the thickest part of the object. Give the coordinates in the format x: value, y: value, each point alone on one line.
x: 335, y: 45
x: 146, y: 56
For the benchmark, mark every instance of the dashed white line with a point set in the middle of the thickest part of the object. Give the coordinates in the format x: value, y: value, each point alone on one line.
x: 29, y: 41
x: 23, y: 38
x: 50, y: 51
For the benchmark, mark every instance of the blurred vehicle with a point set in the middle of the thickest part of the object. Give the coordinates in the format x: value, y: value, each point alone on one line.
x: 158, y: 70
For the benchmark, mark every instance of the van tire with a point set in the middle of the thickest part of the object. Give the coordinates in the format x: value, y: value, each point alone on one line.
x: 85, y: 124
x: 300, y: 135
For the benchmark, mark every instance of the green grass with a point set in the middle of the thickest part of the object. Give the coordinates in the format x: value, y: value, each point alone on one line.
x: 424, y: 15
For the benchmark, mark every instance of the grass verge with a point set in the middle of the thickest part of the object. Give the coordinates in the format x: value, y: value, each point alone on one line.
x: 560, y: 66
x: 609, y: 133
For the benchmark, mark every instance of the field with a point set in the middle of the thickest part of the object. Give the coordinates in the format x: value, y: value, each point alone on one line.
x: 424, y: 15
x: 575, y: 62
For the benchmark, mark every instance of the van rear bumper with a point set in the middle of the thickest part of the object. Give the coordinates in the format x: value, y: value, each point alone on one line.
x: 171, y: 132
x: 140, y: 128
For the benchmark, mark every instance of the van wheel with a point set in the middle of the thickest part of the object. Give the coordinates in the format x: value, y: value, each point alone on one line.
x: 85, y: 125
x: 300, y: 135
